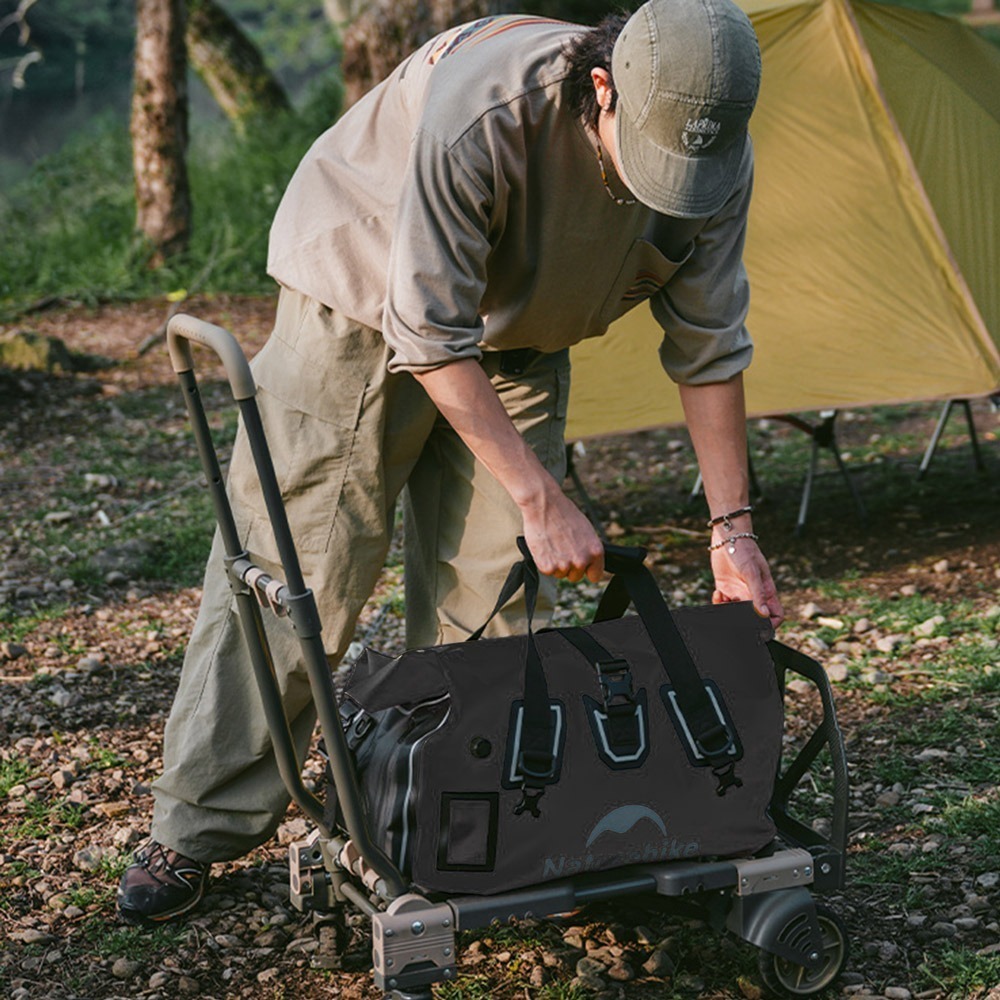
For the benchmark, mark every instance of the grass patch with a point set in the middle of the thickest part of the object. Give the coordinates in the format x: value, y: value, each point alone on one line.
x: 110, y: 940
x: 972, y: 817
x: 13, y: 771
x: 961, y: 973
x: 69, y: 224
x: 15, y: 625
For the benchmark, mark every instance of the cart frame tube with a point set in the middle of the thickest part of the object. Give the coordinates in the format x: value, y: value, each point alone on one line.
x: 300, y: 601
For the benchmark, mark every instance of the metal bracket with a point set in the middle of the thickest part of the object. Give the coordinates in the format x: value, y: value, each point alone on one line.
x: 313, y: 875
x: 782, y: 870
x: 413, y: 944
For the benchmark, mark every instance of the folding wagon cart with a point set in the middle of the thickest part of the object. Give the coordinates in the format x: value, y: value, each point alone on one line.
x: 766, y: 899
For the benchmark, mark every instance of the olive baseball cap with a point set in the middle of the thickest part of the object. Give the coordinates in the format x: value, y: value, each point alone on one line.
x: 687, y: 74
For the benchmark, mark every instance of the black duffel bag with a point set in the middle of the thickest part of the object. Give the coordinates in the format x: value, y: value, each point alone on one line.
x: 494, y: 764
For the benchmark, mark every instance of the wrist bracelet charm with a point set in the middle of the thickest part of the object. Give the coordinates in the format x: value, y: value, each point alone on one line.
x: 731, y: 541
x: 726, y: 520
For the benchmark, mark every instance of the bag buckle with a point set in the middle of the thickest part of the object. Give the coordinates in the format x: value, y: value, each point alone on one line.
x: 529, y: 801
x: 726, y: 777
x: 529, y: 765
x: 705, y: 743
x: 616, y: 685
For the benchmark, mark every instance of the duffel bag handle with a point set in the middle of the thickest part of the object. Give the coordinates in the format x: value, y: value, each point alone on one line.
x: 631, y: 582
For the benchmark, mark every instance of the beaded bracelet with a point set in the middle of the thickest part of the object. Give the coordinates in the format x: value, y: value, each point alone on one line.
x: 726, y: 519
x: 731, y: 540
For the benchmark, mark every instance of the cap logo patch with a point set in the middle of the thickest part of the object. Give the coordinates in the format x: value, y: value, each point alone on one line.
x: 700, y: 133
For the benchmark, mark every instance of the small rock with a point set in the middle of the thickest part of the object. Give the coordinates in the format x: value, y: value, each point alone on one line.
x: 621, y: 972
x: 944, y: 929
x: 228, y: 941
x: 62, y: 778
x: 861, y: 626
x: 537, y: 977
x: 967, y: 923
x: 837, y: 672
x: 12, y: 650
x: 908, y: 590
x: 809, y: 611
x: 644, y: 935
x: 589, y: 967
x: 929, y: 625
x: 659, y: 964
x: 159, y: 979
x: 888, y: 799
x: 826, y: 622
x: 273, y: 938
x: 897, y: 993
x: 33, y: 936
x: 187, y: 984
x: 941, y: 566
x: 877, y: 677
x: 988, y: 880
x: 267, y: 976
x: 125, y: 968
x: 888, y: 643
x: 294, y: 829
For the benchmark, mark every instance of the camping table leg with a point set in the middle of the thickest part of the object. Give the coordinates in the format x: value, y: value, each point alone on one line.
x: 823, y: 436
x: 977, y: 457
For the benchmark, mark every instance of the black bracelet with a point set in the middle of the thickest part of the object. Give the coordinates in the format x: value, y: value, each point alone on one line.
x: 726, y: 519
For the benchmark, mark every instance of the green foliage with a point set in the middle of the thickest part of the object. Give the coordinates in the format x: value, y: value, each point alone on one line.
x: 13, y: 771
x: 295, y: 37
x: 962, y: 973
x: 69, y: 226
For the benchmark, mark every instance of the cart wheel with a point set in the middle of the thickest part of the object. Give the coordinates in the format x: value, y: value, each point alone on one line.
x: 790, y: 980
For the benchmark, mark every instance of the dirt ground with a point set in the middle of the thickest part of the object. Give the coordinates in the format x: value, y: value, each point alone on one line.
x: 87, y: 673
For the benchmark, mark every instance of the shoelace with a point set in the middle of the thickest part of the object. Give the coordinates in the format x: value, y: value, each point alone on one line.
x: 154, y: 859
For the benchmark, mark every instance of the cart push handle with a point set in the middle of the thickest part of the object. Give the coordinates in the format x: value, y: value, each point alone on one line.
x: 183, y: 328
x: 294, y: 596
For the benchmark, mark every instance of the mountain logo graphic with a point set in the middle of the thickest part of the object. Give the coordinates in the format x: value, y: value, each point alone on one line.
x: 623, y: 819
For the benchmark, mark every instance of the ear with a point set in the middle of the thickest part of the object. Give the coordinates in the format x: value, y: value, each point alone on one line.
x: 603, y: 87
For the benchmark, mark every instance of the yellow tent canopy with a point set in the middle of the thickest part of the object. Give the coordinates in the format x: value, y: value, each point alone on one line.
x: 874, y: 233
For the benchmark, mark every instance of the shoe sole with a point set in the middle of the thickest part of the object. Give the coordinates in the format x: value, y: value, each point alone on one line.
x: 136, y: 919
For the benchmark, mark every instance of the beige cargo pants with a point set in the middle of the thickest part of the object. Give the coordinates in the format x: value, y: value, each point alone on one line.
x: 347, y: 437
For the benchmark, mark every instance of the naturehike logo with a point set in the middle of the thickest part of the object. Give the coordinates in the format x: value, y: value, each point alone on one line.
x: 700, y: 133
x: 623, y: 819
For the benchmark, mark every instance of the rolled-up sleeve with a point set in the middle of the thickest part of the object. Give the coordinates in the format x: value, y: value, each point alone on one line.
x: 703, y: 308
x: 437, y: 264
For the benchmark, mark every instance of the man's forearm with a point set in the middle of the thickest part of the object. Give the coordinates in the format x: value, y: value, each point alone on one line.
x: 463, y: 393
x: 560, y: 538
x: 716, y: 421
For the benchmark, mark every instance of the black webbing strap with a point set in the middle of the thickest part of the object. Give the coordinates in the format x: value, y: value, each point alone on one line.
x: 536, y: 761
x: 616, y: 687
x: 634, y: 580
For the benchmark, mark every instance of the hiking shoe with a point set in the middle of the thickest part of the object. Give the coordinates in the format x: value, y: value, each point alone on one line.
x: 160, y: 885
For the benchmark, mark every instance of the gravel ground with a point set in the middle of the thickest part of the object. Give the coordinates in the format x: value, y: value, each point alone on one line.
x: 87, y: 673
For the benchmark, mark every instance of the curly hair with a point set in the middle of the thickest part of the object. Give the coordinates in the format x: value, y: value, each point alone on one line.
x: 592, y: 49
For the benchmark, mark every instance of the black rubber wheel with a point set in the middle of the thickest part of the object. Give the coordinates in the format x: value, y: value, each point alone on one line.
x: 787, y: 979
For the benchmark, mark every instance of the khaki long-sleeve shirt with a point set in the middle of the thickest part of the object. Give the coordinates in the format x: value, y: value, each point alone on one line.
x: 459, y: 207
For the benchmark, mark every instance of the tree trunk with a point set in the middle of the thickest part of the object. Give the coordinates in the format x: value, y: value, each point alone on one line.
x: 386, y: 31
x: 231, y: 65
x: 159, y: 128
